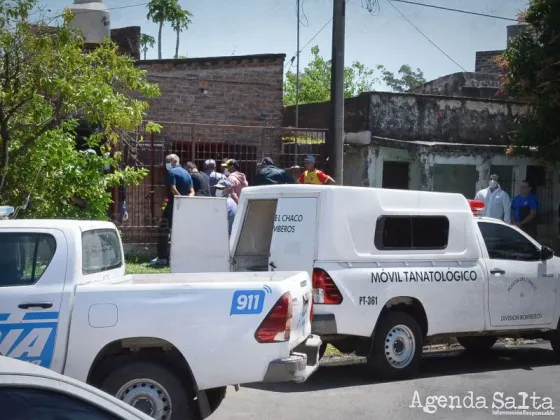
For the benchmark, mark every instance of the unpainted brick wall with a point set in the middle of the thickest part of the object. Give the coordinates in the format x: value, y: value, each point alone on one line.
x: 240, y: 91
x: 486, y: 62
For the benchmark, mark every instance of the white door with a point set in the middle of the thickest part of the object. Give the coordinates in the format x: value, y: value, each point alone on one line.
x: 199, y: 237
x: 294, y: 235
x: 521, y: 286
x: 33, y: 271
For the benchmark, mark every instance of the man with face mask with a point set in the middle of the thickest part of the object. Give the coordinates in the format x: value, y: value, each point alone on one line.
x: 179, y: 182
x: 498, y: 204
x: 224, y: 189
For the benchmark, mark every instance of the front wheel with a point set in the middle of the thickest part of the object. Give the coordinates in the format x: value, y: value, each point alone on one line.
x: 477, y: 344
x: 397, y: 346
x: 152, y: 388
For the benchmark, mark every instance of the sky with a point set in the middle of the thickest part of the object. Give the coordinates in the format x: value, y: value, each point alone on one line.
x: 240, y: 27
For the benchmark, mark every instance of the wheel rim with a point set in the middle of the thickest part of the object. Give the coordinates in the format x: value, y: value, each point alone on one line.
x: 400, y: 346
x: 147, y: 396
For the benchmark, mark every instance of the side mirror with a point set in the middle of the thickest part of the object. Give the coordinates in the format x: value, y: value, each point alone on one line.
x: 546, y: 253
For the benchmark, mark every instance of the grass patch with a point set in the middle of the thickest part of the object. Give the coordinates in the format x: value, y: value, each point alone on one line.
x: 332, y: 352
x: 143, y: 267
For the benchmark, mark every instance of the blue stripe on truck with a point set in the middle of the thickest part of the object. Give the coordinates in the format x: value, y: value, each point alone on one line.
x: 34, y: 316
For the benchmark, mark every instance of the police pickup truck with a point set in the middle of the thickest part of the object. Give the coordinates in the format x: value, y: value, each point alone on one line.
x: 391, y: 269
x: 168, y: 344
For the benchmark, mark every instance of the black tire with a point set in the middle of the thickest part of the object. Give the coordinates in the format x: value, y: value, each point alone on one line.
x: 182, y: 403
x: 477, y: 344
x: 322, y: 350
x: 383, y: 346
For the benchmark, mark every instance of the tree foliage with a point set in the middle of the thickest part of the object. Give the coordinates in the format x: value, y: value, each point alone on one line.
x: 180, y: 22
x: 315, y: 80
x: 49, y: 84
x: 531, y: 71
x: 169, y: 11
x: 147, y: 42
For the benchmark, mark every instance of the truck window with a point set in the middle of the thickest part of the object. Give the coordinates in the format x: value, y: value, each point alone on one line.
x: 101, y: 251
x: 411, y: 232
x: 505, y: 243
x: 24, y: 257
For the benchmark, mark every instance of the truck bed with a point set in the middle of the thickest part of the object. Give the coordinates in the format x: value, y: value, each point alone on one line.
x: 222, y: 277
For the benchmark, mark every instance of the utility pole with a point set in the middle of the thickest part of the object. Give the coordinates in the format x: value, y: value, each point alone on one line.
x: 336, y: 143
x: 297, y: 67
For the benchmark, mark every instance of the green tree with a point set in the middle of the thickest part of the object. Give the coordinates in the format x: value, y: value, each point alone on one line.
x: 315, y: 80
x: 147, y: 42
x: 161, y: 12
x: 530, y: 71
x: 180, y: 22
x: 49, y: 84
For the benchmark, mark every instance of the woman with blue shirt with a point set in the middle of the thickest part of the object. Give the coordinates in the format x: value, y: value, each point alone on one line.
x: 524, y: 210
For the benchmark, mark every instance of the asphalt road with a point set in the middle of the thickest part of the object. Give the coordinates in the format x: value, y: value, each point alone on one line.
x: 343, y: 392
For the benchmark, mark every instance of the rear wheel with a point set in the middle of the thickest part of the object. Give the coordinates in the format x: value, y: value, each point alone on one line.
x: 397, y: 346
x: 555, y: 343
x: 152, y: 388
x: 477, y: 344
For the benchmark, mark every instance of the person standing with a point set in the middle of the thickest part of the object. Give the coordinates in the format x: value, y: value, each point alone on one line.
x: 269, y: 174
x: 224, y: 189
x: 201, y: 181
x: 237, y: 178
x: 179, y: 182
x: 496, y: 201
x: 213, y: 176
x: 524, y: 210
x: 312, y: 175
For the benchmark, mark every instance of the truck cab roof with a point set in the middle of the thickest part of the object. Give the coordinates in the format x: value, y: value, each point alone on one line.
x: 81, y: 225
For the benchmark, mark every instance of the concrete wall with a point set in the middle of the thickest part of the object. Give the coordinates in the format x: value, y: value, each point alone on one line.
x: 407, y: 116
x: 240, y: 90
x: 485, y: 61
x: 471, y: 85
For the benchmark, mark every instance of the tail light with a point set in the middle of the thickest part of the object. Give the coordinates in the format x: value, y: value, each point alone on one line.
x: 324, y: 289
x: 477, y: 207
x: 276, y: 325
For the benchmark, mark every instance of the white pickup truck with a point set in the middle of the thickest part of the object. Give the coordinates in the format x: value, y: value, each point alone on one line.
x: 391, y: 269
x: 168, y: 344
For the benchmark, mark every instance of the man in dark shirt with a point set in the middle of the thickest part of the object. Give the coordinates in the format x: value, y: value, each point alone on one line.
x: 179, y: 182
x: 201, y: 181
x: 269, y: 174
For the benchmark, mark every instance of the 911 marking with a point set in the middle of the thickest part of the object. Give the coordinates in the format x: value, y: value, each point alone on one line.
x: 367, y: 300
x: 247, y: 302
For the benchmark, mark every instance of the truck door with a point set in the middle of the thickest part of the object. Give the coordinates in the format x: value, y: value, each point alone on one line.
x: 199, y: 238
x: 34, y: 318
x: 521, y: 287
x: 294, y: 235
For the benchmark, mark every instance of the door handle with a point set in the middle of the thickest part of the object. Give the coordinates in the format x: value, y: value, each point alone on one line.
x: 497, y: 271
x: 547, y: 275
x: 42, y: 305
x: 272, y: 265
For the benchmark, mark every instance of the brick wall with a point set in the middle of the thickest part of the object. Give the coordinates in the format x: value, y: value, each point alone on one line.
x: 485, y: 62
x: 128, y: 40
x: 240, y: 91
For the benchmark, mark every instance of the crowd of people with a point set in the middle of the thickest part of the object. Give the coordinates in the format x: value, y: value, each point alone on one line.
x: 521, y: 211
x: 228, y: 184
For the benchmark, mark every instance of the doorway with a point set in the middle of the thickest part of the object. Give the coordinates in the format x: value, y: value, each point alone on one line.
x: 395, y: 175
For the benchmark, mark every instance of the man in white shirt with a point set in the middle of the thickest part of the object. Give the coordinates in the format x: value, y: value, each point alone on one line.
x: 498, y: 204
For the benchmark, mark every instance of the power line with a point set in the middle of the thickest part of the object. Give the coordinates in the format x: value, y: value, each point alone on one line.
x: 456, y: 10
x: 308, y: 42
x: 424, y: 35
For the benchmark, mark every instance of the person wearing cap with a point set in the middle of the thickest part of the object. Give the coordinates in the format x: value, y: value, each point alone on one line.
x: 269, y: 174
x: 496, y: 201
x: 312, y: 175
x: 201, y: 181
x: 213, y: 175
x: 224, y: 189
x: 237, y: 178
